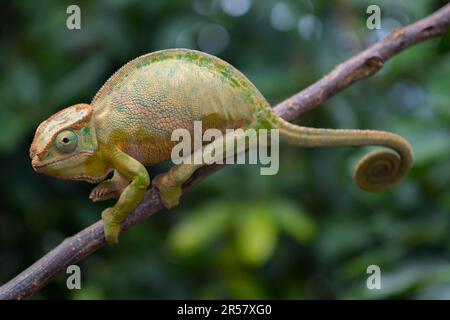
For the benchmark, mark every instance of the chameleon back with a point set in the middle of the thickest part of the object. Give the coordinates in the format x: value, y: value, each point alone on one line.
x: 138, y: 108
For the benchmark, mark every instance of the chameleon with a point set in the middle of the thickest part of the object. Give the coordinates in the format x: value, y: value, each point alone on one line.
x: 128, y: 125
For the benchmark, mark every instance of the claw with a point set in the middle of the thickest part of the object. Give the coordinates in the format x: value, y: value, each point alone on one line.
x: 104, y: 192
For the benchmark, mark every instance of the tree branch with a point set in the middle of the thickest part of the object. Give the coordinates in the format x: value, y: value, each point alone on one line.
x: 361, y: 66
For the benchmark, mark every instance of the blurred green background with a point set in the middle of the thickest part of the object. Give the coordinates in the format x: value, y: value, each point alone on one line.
x: 307, y: 232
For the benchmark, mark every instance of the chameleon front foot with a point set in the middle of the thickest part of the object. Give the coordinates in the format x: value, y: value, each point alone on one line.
x: 104, y: 191
x: 111, y: 228
x: 169, y: 191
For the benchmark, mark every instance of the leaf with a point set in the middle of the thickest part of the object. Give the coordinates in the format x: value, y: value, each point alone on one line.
x: 200, y: 229
x: 256, y: 235
x: 295, y: 222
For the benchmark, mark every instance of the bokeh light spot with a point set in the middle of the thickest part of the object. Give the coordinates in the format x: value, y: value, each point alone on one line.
x: 310, y: 27
x: 281, y: 17
x: 213, y: 38
x: 235, y: 8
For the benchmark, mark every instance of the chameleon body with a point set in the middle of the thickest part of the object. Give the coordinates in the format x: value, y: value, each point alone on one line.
x: 129, y: 123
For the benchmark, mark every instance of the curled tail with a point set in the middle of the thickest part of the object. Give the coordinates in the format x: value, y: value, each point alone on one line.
x: 377, y: 170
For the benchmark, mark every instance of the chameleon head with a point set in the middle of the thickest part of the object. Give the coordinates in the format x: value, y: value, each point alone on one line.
x: 65, y: 145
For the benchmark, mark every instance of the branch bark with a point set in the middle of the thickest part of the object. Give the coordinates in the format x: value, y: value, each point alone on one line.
x: 362, y: 65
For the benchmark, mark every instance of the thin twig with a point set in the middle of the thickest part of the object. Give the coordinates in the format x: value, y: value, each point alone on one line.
x: 361, y: 66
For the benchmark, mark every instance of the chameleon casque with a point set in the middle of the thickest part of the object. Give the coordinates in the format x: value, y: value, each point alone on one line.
x: 129, y: 122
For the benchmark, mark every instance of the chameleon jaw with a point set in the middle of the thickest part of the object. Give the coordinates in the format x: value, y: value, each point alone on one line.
x: 36, y: 164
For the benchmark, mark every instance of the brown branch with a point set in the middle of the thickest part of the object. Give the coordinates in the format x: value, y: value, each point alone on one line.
x: 361, y: 66
x: 364, y: 64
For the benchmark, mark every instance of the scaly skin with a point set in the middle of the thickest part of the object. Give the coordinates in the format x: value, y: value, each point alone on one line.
x: 129, y: 123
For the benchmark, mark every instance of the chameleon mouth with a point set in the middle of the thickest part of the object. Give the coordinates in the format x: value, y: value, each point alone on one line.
x: 86, y: 178
x: 37, y: 165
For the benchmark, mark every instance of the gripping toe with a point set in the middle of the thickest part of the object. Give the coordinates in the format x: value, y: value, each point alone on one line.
x: 169, y: 192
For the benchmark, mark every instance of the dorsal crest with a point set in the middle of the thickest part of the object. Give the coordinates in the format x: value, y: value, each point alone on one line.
x: 214, y: 64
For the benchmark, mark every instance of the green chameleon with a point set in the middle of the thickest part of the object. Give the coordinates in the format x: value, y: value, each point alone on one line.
x: 129, y: 122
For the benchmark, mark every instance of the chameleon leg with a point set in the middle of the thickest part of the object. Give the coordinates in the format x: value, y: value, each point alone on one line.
x: 109, y: 189
x: 129, y: 199
x: 169, y: 184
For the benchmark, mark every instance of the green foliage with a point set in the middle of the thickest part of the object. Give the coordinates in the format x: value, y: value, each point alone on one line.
x: 254, y: 226
x: 201, y: 228
x: 306, y: 232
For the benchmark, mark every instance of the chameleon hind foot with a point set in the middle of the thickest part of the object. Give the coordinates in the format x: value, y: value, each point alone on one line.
x: 169, y: 183
x: 111, y: 228
x: 169, y: 190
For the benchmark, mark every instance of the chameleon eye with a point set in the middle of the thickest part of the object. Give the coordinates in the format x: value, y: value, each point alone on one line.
x: 66, y: 141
